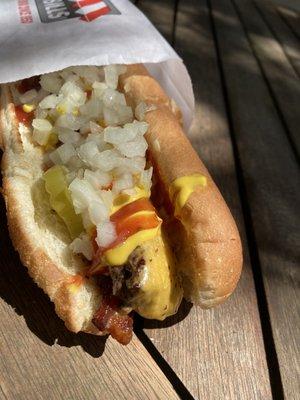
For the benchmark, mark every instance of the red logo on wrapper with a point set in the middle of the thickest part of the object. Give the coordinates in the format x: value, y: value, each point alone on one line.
x: 84, y: 10
x: 91, y: 9
x: 24, y: 12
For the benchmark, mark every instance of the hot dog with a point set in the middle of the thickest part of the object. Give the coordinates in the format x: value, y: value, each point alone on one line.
x: 108, y: 205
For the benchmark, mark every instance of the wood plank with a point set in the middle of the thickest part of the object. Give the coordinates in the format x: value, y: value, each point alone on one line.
x: 161, y: 13
x: 291, y: 18
x: 216, y: 353
x: 272, y: 186
x: 281, y: 32
x: 282, y: 78
x: 41, y: 360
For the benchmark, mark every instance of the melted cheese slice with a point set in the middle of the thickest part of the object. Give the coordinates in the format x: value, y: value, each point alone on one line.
x: 161, y: 292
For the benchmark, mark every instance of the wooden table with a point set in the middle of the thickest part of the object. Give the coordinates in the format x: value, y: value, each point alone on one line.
x: 244, y: 60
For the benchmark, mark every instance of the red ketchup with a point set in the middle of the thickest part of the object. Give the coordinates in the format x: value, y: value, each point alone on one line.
x: 127, y: 223
x: 28, y: 84
x: 23, y: 87
x: 22, y: 116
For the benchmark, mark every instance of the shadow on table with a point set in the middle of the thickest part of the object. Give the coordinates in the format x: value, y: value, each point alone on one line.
x: 19, y: 291
x: 182, y: 313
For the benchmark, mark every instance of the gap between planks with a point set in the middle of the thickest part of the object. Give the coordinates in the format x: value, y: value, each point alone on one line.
x: 281, y: 32
x: 291, y: 18
x: 280, y: 77
x: 281, y: 218
x: 273, y: 365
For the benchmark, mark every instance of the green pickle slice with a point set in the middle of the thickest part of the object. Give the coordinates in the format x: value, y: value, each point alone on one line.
x: 60, y: 199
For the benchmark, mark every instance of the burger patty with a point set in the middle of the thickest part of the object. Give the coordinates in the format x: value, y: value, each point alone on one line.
x: 128, y: 279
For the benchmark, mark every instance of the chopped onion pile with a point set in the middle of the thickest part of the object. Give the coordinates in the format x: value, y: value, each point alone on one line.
x: 99, y: 141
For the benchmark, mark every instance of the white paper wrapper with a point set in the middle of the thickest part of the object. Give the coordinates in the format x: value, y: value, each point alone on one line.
x: 39, y: 36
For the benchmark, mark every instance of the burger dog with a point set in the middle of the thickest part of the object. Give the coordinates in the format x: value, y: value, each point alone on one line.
x: 108, y: 205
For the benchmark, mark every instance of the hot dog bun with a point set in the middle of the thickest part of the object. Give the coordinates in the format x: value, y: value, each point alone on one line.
x: 38, y: 235
x: 209, y: 246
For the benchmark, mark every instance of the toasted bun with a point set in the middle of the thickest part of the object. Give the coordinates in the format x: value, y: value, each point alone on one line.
x: 208, y: 238
x: 37, y: 233
x: 208, y: 246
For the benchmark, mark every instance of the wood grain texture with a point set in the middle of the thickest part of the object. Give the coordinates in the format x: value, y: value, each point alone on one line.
x: 292, y: 18
x: 281, y: 76
x: 272, y: 185
x: 218, y: 354
x: 281, y: 31
x: 41, y: 360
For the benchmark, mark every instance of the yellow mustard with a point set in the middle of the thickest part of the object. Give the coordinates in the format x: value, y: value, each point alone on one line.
x: 181, y: 189
x: 28, y: 107
x: 124, y: 199
x: 119, y: 255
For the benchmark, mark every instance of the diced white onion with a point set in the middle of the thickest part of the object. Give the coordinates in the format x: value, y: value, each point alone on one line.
x: 89, y: 73
x: 107, y: 160
x: 100, y: 163
x: 65, y: 152
x: 42, y: 125
x: 74, y: 93
x: 134, y: 165
x: 51, y: 82
x: 133, y: 149
x: 106, y: 233
x: 87, y: 152
x: 75, y: 162
x: 84, y: 129
x: 107, y: 198
x: 40, y: 137
x: 114, y: 135
x: 111, y: 76
x: 125, y: 114
x: 139, y: 128
x: 146, y: 178
x: 95, y: 128
x: 40, y: 114
x: 55, y: 158
x: 140, y: 111
x: 98, y: 178
x: 93, y: 108
x: 98, y: 212
x: 125, y: 181
x: 50, y: 101
x: 66, y: 135
x: 110, y: 116
x: 28, y: 96
x: 112, y: 98
x: 82, y: 193
x: 70, y: 121
x: 98, y: 139
x: 99, y: 89
x: 71, y: 176
x: 87, y: 223
x: 83, y: 245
